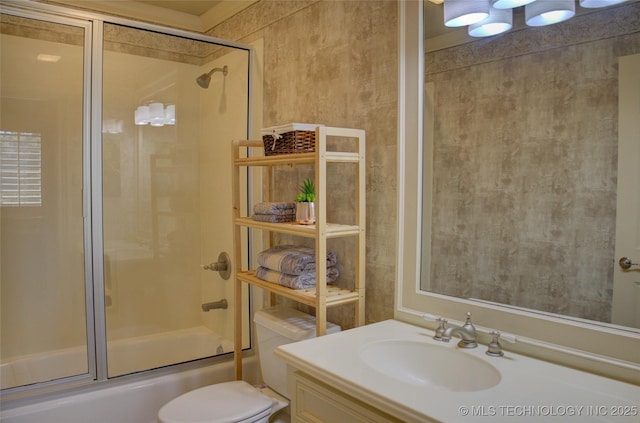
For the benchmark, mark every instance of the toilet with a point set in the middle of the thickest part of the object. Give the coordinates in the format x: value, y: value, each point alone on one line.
x: 239, y: 401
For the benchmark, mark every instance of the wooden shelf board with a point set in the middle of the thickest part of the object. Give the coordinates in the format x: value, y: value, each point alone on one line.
x: 335, y: 295
x: 296, y: 159
x: 277, y: 160
x: 334, y: 230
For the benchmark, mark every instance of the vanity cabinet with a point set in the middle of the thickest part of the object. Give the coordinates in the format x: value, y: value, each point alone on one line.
x: 347, y: 149
x: 314, y: 401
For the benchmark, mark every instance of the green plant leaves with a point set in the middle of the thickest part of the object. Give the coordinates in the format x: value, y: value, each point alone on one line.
x: 307, y: 192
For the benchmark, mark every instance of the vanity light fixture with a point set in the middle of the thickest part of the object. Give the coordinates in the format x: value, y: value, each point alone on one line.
x: 548, y: 12
x: 155, y: 114
x: 588, y: 4
x: 485, y: 18
x: 499, y: 21
x: 465, y: 12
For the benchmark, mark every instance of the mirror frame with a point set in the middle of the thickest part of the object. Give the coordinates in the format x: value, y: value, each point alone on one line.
x: 576, y: 343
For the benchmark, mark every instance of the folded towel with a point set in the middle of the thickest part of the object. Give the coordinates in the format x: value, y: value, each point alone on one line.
x: 273, y: 208
x: 292, y: 259
x: 302, y: 281
x: 275, y: 218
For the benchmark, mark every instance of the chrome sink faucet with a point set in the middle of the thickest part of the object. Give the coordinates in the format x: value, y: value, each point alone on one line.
x: 466, y: 332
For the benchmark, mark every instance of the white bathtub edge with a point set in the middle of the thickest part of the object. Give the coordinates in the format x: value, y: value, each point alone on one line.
x: 134, y: 402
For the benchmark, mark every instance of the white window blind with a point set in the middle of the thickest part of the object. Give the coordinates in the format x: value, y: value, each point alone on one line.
x: 20, y: 169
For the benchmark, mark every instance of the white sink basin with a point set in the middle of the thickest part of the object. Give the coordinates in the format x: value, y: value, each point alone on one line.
x: 422, y: 364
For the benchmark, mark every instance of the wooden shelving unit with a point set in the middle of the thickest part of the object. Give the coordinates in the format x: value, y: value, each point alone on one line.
x: 322, y: 296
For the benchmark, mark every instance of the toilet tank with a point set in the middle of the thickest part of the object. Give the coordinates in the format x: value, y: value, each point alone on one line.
x: 277, y: 326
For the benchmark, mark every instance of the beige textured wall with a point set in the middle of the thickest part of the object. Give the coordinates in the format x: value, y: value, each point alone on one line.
x: 526, y: 164
x: 335, y: 63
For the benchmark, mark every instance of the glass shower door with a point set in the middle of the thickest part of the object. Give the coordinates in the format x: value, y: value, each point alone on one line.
x: 166, y: 149
x: 43, y: 333
x: 161, y: 197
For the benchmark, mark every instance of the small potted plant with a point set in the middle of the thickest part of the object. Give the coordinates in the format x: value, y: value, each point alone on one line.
x: 305, y: 207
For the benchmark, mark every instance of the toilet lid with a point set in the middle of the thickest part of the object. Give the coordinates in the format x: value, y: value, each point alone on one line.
x: 220, y: 403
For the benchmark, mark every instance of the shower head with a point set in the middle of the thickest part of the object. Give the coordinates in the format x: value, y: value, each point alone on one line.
x: 204, y: 79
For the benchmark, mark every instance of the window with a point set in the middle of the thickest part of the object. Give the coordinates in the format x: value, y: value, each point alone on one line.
x: 20, y: 169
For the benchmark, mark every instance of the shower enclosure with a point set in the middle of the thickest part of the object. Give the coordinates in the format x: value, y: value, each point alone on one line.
x: 114, y: 162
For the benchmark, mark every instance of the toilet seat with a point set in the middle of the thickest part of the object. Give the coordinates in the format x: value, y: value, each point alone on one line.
x: 226, y: 402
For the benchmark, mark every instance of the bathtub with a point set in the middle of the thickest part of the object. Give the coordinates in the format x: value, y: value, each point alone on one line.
x: 129, y: 355
x: 124, y: 356
x: 137, y: 401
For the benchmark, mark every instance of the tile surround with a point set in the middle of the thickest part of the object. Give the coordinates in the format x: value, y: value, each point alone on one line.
x: 336, y: 63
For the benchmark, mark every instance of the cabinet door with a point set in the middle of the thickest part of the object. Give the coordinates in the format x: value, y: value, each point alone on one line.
x: 315, y: 402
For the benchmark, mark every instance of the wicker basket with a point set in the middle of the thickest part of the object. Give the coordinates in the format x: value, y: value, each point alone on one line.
x: 289, y: 139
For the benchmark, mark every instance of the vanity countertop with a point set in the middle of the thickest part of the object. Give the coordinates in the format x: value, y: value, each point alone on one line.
x: 530, y: 388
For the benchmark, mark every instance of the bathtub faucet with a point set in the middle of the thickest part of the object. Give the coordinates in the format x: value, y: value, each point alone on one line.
x: 214, y: 305
x: 466, y: 332
x: 223, y: 265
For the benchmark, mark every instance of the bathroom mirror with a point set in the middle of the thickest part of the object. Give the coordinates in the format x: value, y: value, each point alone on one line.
x: 569, y: 341
x: 520, y: 165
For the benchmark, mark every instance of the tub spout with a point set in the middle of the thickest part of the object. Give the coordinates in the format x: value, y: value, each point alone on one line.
x: 215, y: 305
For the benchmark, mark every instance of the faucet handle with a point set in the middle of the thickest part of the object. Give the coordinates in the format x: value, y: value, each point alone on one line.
x: 440, y: 330
x: 467, y: 324
x: 494, y: 349
x: 441, y: 323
